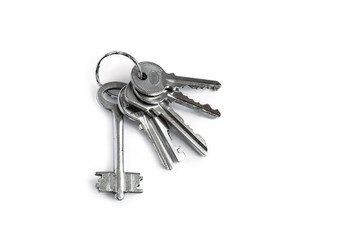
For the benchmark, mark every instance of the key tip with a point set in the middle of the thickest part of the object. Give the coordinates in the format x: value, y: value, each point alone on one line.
x: 120, y: 196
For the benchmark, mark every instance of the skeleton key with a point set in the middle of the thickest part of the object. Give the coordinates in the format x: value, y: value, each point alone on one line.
x: 117, y: 181
x: 157, y: 131
x: 155, y: 80
x: 164, y: 111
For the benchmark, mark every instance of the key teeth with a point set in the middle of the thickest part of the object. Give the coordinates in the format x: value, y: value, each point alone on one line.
x: 132, y: 182
x: 200, y: 87
x: 177, y: 81
x: 167, y: 108
x: 180, y: 98
x: 215, y: 88
x: 106, y: 182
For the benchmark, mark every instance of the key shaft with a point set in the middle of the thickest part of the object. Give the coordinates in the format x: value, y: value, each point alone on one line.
x: 117, y: 181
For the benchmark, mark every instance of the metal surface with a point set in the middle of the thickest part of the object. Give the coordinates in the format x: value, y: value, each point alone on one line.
x: 117, y: 181
x: 157, y: 80
x: 137, y: 66
x: 166, y: 113
x: 157, y: 131
x: 146, y: 99
x: 174, y: 95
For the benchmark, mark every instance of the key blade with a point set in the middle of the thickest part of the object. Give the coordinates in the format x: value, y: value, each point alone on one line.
x: 171, y: 117
x: 156, y: 136
x: 176, y: 81
x: 178, y: 154
x: 106, y: 182
x: 184, y: 100
x: 132, y: 182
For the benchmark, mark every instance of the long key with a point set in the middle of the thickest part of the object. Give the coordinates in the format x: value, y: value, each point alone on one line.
x: 117, y: 181
x: 157, y: 132
x: 155, y: 80
x: 164, y: 111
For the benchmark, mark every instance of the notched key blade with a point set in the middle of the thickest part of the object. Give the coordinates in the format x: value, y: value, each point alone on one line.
x: 106, y: 182
x: 171, y: 117
x: 176, y: 81
x: 132, y: 182
x: 184, y: 100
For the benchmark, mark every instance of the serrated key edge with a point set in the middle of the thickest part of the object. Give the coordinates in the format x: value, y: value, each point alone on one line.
x: 184, y: 100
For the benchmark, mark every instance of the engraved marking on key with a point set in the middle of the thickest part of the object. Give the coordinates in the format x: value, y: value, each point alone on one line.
x: 164, y: 111
x: 151, y: 87
x: 153, y: 82
x: 117, y: 181
x: 154, y: 77
x: 157, y: 132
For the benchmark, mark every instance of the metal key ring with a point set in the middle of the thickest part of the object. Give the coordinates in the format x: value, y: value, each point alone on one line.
x: 118, y: 53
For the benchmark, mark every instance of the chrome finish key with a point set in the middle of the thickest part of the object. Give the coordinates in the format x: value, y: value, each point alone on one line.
x: 155, y: 80
x: 165, y: 112
x: 157, y: 131
x: 117, y: 181
x: 174, y: 95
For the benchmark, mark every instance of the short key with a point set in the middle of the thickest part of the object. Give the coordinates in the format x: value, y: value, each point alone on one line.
x: 164, y: 111
x: 157, y: 85
x: 117, y: 181
x: 155, y: 80
x: 157, y: 131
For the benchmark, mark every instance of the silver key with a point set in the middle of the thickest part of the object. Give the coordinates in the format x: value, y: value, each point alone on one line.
x: 158, y: 86
x: 156, y: 80
x: 164, y: 111
x: 157, y: 131
x: 117, y: 181
x: 174, y: 95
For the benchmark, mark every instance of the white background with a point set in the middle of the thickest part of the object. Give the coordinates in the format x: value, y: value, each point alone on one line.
x: 283, y: 158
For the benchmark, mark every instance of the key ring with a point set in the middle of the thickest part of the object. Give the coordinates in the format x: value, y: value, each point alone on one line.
x: 119, y: 53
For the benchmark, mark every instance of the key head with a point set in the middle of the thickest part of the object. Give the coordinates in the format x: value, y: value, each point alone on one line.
x: 153, y: 81
x: 131, y: 112
x: 104, y: 99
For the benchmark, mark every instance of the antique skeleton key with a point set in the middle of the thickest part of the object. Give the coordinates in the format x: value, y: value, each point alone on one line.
x: 117, y: 181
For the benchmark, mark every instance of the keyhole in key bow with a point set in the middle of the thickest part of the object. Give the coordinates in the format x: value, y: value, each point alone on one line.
x: 144, y: 76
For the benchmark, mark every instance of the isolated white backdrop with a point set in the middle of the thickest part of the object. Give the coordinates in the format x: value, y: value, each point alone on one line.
x: 283, y: 158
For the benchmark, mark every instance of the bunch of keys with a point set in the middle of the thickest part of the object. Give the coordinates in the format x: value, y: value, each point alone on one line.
x: 146, y: 99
